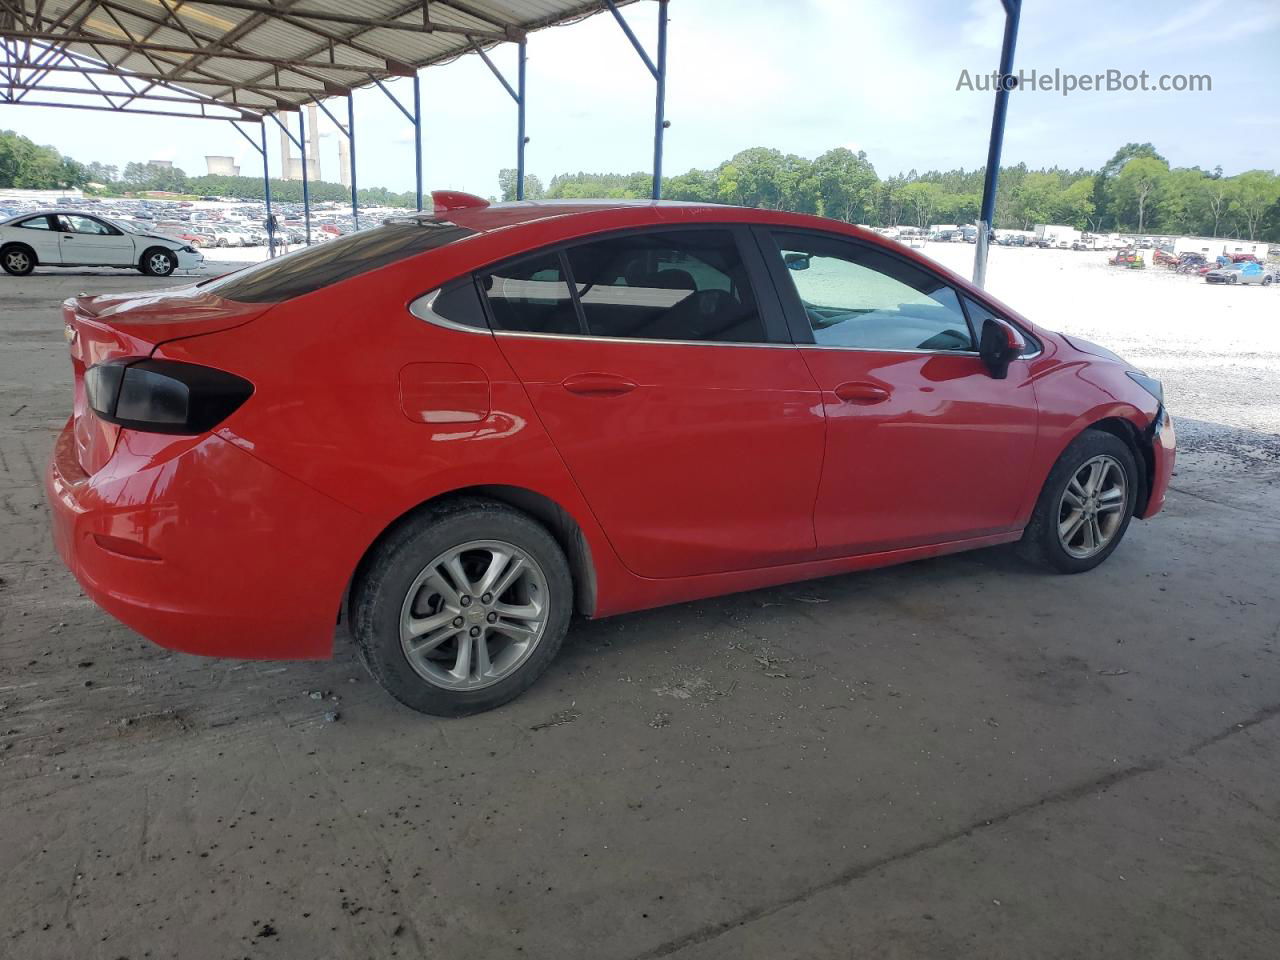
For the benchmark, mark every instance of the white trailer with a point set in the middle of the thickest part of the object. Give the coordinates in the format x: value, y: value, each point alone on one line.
x: 1217, y: 246
x: 1057, y: 234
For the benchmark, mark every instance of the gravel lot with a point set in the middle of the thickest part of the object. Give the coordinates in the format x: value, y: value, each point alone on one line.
x: 959, y: 757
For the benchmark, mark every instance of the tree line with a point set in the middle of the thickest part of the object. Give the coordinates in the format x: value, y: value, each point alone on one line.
x: 1134, y: 191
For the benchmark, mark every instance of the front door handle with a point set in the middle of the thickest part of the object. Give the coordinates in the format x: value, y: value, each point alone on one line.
x: 598, y: 384
x: 859, y: 392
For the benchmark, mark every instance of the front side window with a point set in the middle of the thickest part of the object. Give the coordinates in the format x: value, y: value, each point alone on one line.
x: 36, y: 223
x: 856, y: 296
x: 74, y: 224
x: 979, y: 314
x: 531, y: 295
x: 666, y: 285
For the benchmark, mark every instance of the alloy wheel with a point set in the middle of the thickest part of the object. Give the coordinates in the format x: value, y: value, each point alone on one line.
x: 17, y: 261
x: 160, y: 264
x: 474, y: 615
x: 1092, y: 507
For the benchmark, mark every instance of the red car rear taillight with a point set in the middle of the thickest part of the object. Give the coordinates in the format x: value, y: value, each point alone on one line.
x: 163, y: 396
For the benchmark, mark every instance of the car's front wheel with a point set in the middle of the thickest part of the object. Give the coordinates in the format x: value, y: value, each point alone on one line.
x: 159, y: 263
x: 1085, y: 506
x: 462, y: 607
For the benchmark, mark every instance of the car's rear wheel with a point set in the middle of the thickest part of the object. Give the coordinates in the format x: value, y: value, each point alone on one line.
x: 158, y: 263
x: 18, y: 260
x: 462, y: 607
x: 1085, y: 506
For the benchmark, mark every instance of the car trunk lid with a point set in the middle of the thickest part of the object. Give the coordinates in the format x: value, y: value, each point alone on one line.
x: 109, y: 327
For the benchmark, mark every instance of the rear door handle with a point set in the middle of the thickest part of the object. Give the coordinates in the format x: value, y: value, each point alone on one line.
x: 858, y: 392
x: 598, y: 384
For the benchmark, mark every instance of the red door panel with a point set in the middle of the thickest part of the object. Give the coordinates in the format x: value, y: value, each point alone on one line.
x: 921, y: 448
x: 695, y: 458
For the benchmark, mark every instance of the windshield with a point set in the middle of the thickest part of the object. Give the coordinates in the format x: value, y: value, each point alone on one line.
x: 310, y: 268
x: 128, y: 226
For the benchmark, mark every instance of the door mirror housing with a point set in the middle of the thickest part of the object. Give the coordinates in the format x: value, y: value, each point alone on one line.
x: 999, y: 345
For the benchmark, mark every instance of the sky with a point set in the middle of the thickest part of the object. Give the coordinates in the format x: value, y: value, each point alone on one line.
x: 802, y: 76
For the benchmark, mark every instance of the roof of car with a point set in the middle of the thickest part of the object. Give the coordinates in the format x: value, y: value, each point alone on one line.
x: 486, y: 217
x: 51, y: 210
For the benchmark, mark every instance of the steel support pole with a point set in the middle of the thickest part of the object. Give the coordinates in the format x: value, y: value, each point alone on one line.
x: 417, y: 134
x: 520, y: 137
x: 351, y: 155
x: 660, y: 107
x: 302, y: 159
x: 1012, y: 10
x: 266, y: 189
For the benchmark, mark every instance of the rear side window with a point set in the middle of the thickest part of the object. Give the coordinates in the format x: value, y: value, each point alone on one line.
x: 35, y: 223
x: 672, y: 285
x: 531, y: 295
x: 310, y: 268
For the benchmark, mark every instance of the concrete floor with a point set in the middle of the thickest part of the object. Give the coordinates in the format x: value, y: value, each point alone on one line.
x: 957, y: 758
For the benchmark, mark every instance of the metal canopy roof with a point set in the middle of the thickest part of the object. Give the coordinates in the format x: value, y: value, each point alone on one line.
x: 238, y: 59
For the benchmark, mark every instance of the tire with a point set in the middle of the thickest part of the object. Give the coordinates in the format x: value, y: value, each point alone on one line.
x: 406, y: 588
x: 158, y: 262
x: 1266, y: 281
x: 18, y: 260
x: 1041, y: 541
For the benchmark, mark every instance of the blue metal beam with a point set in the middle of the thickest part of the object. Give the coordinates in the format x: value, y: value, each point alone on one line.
x: 266, y: 189
x: 1013, y: 11
x: 626, y: 28
x: 306, y: 187
x: 417, y: 134
x: 351, y: 155
x: 659, y: 72
x: 660, y: 106
x: 347, y: 131
x: 521, y: 139
x: 416, y: 119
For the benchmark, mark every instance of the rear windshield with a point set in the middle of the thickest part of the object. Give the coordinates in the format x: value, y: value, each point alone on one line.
x: 311, y: 268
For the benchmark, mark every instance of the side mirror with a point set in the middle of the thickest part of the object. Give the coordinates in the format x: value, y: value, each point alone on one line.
x: 796, y: 261
x: 999, y: 345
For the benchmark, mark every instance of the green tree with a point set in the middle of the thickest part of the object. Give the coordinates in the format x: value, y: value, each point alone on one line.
x: 1102, y: 196
x: 533, y: 189
x: 1037, y: 199
x: 1137, y: 184
x: 1253, y: 194
x: 922, y: 199
x: 26, y: 166
x: 845, y: 183
x: 1076, y: 204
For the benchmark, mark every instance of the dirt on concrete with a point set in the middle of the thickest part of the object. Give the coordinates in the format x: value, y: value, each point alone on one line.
x: 959, y: 757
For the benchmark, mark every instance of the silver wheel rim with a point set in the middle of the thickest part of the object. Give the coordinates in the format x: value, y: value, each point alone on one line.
x: 474, y: 615
x: 17, y: 261
x: 1092, y: 507
x: 159, y: 263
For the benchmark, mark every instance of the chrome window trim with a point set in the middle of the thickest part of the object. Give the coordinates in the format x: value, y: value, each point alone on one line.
x: 693, y: 343
x: 424, y: 309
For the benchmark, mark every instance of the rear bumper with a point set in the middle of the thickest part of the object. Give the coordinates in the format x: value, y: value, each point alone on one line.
x: 1164, y: 452
x: 200, y: 547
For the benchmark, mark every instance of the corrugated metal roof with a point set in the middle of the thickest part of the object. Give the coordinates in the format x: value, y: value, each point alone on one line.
x: 229, y: 58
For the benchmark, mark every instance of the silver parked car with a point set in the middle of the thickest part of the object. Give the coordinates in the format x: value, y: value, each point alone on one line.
x: 1245, y: 272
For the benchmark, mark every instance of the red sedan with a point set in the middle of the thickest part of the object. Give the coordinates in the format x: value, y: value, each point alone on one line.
x: 460, y: 428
